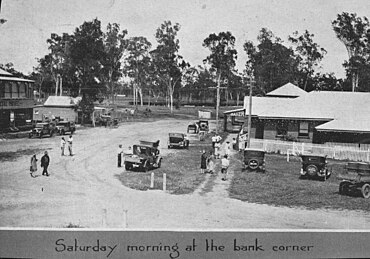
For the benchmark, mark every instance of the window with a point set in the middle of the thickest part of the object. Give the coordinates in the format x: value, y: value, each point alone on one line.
x: 14, y: 90
x: 22, y: 90
x: 282, y: 128
x: 303, y: 129
x: 8, y: 90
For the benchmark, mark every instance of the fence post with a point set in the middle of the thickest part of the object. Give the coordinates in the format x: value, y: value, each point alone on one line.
x: 124, y: 218
x: 152, y: 180
x: 164, y: 182
x: 302, y: 148
x: 104, y: 219
x: 287, y: 155
x: 368, y: 155
x: 334, y: 152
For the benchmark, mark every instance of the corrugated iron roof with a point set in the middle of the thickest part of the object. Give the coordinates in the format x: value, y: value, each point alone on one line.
x: 62, y: 101
x: 289, y: 90
x: 4, y: 73
x: 344, y: 111
x: 6, y: 78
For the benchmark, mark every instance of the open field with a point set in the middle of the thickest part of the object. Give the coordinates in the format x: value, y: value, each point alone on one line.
x: 84, y: 190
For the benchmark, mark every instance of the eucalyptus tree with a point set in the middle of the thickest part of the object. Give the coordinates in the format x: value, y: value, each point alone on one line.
x: 169, y: 65
x: 138, y: 64
x: 222, y: 58
x: 354, y: 33
x: 114, y: 47
x: 310, y: 54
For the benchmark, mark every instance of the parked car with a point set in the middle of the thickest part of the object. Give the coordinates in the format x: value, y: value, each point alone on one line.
x: 177, y: 140
x: 203, y: 125
x: 145, y: 156
x: 42, y: 129
x: 315, y: 166
x: 356, y: 178
x: 254, y: 159
x: 65, y: 126
x: 193, y: 128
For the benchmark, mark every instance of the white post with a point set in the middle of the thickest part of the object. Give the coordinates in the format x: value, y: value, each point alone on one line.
x: 287, y: 155
x: 152, y: 181
x: 334, y: 153
x: 302, y: 149
x: 104, y: 219
x: 125, y: 218
x: 368, y: 155
x: 164, y: 182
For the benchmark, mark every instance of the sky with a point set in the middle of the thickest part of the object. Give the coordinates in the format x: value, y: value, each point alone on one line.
x: 31, y: 22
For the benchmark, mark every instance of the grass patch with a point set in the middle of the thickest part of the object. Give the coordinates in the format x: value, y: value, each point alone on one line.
x: 12, y: 156
x: 281, y: 186
x: 182, y: 168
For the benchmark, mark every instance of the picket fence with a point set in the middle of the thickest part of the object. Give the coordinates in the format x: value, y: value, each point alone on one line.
x: 340, y: 151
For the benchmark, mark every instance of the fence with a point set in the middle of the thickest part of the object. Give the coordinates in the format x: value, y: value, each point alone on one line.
x: 340, y: 151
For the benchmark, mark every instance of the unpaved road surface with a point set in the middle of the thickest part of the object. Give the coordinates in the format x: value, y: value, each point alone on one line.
x: 81, y: 187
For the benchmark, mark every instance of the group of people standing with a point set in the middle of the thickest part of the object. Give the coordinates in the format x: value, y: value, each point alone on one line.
x: 63, y: 145
x: 207, y: 162
x: 45, y: 161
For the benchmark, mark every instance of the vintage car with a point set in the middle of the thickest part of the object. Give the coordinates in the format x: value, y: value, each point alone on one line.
x: 65, y: 126
x: 145, y: 156
x: 356, y: 178
x: 193, y: 128
x: 42, y: 129
x: 203, y: 125
x: 254, y: 159
x: 179, y: 140
x: 315, y: 166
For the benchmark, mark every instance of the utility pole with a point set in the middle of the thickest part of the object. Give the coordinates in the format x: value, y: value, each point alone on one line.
x: 218, y: 99
x: 250, y: 83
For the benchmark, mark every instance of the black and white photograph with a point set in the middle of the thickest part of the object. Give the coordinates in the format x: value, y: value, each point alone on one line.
x: 197, y: 115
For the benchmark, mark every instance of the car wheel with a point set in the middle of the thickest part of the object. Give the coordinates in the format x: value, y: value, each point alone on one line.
x: 312, y: 170
x: 146, y: 166
x: 253, y: 164
x: 61, y: 132
x: 128, y: 166
x: 169, y: 146
x: 365, y: 190
x: 343, y: 188
x: 30, y: 135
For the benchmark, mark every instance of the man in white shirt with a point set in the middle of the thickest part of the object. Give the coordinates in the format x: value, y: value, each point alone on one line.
x: 224, y: 166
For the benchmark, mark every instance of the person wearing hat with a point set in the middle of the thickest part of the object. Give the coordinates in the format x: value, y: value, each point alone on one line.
x: 45, y: 161
x: 203, y: 162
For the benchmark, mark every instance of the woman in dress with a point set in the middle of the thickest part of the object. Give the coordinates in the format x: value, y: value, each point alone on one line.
x: 33, y: 167
x: 211, y: 163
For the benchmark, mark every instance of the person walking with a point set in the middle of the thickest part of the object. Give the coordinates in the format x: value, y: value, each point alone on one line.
x: 211, y: 163
x: 224, y: 166
x: 45, y: 161
x: 227, y: 148
x: 203, y: 162
x: 119, y: 155
x: 62, y: 145
x: 70, y: 141
x: 33, y: 167
x: 217, y: 150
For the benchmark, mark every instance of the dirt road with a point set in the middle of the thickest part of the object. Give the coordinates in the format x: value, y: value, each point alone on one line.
x: 81, y: 187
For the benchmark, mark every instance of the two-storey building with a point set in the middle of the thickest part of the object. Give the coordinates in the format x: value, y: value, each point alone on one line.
x: 16, y: 101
